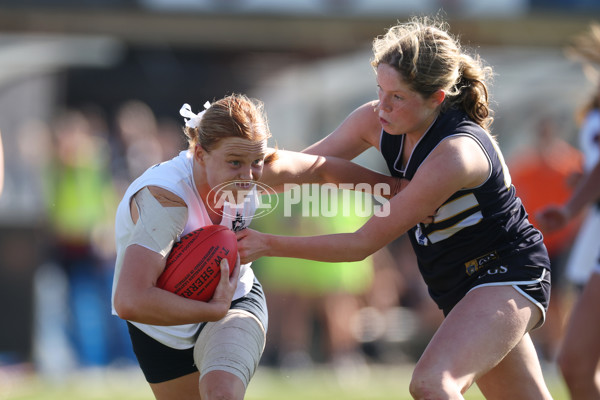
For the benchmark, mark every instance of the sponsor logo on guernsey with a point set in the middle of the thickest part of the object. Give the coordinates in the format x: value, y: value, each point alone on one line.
x: 478, y: 263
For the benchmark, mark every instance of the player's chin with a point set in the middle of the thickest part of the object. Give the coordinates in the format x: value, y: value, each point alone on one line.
x: 393, y: 130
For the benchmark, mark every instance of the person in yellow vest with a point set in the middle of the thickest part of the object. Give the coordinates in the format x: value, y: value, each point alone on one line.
x: 81, y: 200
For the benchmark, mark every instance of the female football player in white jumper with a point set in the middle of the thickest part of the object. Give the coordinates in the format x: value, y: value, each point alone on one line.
x: 190, y: 349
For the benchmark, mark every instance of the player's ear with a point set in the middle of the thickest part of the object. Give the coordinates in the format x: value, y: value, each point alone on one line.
x: 199, y: 154
x: 437, y: 98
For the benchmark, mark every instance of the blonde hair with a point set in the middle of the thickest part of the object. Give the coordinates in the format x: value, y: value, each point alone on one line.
x: 585, y: 48
x: 235, y: 115
x: 430, y: 59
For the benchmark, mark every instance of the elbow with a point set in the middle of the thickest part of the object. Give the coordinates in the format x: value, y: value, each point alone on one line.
x: 363, y: 255
x: 125, y: 307
x: 360, y: 253
x: 323, y: 175
x: 366, y: 246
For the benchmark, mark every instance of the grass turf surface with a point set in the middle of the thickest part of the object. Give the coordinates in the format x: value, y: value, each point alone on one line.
x: 377, y: 382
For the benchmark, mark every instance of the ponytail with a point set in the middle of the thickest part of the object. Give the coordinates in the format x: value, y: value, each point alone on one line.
x: 470, y: 93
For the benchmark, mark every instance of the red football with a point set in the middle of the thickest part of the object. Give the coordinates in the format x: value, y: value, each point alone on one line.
x: 193, y: 265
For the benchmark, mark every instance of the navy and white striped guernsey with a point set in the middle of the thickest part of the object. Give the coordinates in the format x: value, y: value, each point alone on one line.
x: 475, y: 229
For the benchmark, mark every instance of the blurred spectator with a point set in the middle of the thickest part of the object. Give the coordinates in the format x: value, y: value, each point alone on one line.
x: 544, y: 173
x: 171, y: 138
x: 52, y: 351
x: 81, y: 204
x: 137, y: 145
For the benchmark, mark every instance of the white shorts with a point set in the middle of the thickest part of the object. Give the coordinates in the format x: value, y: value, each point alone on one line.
x: 596, y: 269
x: 586, y: 249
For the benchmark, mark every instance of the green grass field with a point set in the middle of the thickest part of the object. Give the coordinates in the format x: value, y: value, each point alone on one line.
x: 375, y: 383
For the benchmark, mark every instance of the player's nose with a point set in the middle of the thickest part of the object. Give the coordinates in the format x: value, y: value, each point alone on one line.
x: 246, y: 174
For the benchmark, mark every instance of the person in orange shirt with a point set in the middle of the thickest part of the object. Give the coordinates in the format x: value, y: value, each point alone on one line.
x: 545, y: 174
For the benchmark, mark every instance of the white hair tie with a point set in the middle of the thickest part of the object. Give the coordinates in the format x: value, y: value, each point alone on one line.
x: 192, y: 120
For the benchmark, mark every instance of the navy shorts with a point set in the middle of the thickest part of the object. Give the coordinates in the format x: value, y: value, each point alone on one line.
x: 161, y: 363
x: 533, y: 282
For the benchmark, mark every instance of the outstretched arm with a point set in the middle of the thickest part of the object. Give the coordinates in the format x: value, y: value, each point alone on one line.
x: 326, y: 160
x: 352, y: 246
x: 298, y: 168
x: 587, y: 191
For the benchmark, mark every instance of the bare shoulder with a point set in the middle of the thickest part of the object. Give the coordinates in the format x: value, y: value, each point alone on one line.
x: 465, y: 154
x: 461, y: 144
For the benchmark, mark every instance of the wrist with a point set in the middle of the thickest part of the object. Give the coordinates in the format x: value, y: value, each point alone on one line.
x: 270, y: 243
x: 218, y: 310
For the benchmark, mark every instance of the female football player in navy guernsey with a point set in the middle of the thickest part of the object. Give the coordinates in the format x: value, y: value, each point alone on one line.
x: 484, y: 263
x: 189, y: 349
